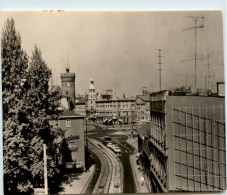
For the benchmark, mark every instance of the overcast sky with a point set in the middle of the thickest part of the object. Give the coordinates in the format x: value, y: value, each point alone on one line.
x: 122, y: 46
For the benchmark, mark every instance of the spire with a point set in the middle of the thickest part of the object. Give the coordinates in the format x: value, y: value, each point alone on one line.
x: 67, y: 65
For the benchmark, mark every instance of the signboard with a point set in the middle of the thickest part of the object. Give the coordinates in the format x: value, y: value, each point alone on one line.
x: 70, y: 165
x: 72, y: 146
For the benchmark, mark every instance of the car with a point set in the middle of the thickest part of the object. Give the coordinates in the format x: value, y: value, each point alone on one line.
x: 117, y: 150
x: 109, y: 145
x: 113, y: 146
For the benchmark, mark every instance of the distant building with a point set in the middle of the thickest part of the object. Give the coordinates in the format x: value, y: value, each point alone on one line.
x: 121, y: 110
x: 142, y: 107
x: 81, y: 107
x: 68, y: 85
x: 91, y: 98
x: 185, y: 147
x: 73, y: 124
x: 221, y: 89
x: 107, y: 95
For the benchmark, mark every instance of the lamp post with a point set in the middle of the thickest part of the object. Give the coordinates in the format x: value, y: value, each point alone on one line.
x: 45, y: 169
x: 86, y: 146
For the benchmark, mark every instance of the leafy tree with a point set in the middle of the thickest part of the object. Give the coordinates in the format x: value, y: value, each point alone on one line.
x: 28, y: 104
x: 180, y: 90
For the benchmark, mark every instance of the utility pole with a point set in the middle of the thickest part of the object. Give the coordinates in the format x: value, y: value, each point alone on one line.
x: 160, y: 68
x: 86, y: 151
x: 195, y: 18
x: 45, y: 169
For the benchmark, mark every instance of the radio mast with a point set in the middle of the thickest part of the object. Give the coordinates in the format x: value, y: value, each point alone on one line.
x: 195, y: 18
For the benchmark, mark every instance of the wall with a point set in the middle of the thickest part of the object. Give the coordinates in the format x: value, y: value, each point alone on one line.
x: 70, y: 88
x: 195, y: 129
x: 77, y: 130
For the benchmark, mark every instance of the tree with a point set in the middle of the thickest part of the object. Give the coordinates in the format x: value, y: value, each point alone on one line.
x: 28, y: 104
x: 180, y: 90
x: 14, y: 72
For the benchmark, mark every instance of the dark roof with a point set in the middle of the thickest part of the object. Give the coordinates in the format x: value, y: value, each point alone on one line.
x: 82, y: 101
x: 145, y: 129
x: 145, y: 98
x: 116, y: 100
x: 70, y: 114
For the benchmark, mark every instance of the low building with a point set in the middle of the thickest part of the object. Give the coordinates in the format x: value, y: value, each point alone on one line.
x: 142, y: 108
x: 121, y: 110
x: 221, y: 89
x: 73, y: 125
x: 185, y: 149
x: 81, y: 107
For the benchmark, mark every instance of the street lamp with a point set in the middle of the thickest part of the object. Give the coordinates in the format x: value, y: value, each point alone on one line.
x: 86, y: 146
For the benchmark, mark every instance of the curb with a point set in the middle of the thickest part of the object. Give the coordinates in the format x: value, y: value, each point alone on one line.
x: 85, y: 186
x: 135, y: 177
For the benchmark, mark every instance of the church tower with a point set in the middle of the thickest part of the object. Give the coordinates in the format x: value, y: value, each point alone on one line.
x: 68, y: 84
x: 91, y: 97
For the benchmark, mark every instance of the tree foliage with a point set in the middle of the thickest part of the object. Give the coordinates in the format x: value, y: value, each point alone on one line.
x: 180, y: 90
x: 28, y: 104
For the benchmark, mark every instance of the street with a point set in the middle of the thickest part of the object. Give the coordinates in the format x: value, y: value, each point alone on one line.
x: 118, y: 138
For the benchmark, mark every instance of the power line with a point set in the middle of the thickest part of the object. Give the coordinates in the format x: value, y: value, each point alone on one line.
x: 195, y: 18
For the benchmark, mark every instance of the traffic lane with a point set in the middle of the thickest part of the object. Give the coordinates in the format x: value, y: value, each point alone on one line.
x: 92, y: 183
x: 126, y: 151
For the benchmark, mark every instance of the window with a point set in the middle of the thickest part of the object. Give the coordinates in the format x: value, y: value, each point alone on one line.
x: 56, y: 123
x: 58, y: 159
x: 68, y: 123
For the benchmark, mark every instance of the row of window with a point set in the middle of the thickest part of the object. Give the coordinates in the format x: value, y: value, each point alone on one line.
x: 114, y: 106
x: 67, y: 123
x: 124, y: 113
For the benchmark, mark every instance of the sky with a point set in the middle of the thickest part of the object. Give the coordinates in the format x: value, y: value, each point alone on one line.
x: 119, y: 49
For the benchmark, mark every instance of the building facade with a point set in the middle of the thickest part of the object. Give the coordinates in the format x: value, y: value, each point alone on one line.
x: 73, y: 124
x: 80, y: 107
x: 68, y: 85
x: 91, y: 98
x: 142, y: 108
x: 122, y: 110
x: 185, y: 149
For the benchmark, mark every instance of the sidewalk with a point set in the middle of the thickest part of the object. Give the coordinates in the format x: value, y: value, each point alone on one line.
x: 79, y: 185
x: 137, y: 174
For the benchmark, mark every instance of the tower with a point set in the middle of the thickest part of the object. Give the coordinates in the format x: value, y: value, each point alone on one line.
x: 91, y: 97
x: 68, y: 84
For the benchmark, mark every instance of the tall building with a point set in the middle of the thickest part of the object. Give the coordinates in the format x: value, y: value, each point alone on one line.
x: 184, y: 150
x: 68, y: 85
x: 91, y: 98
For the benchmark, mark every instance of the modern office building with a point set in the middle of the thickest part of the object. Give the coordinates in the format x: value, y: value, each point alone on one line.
x: 185, y: 149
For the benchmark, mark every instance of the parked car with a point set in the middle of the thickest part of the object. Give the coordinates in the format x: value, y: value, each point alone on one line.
x: 117, y: 150
x: 109, y: 145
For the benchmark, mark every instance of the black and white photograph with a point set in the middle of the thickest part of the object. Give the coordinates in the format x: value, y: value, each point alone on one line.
x: 113, y: 102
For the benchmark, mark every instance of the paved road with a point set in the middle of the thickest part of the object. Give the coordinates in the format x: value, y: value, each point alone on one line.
x: 109, y: 180
x: 120, y: 139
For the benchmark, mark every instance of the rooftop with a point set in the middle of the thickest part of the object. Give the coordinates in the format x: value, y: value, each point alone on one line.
x: 70, y: 114
x: 145, y: 129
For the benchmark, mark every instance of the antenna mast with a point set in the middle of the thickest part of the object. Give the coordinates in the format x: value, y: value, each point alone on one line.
x: 160, y: 69
x: 195, y: 18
